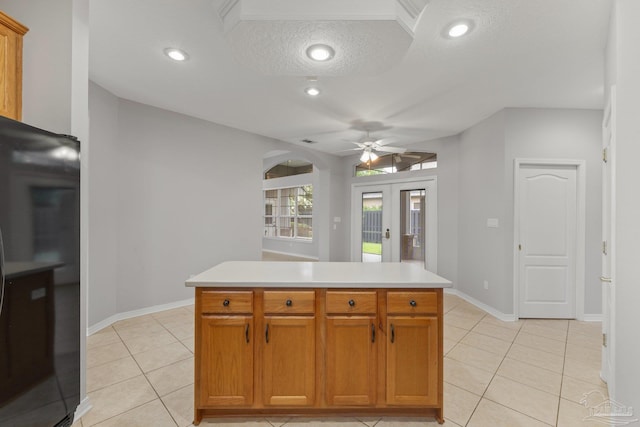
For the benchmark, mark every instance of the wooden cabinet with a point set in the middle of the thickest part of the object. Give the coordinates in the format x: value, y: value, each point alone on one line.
x: 11, y: 33
x: 319, y: 352
x: 226, y: 372
x: 225, y: 366
x: 351, y: 351
x: 413, y: 366
x: 289, y: 348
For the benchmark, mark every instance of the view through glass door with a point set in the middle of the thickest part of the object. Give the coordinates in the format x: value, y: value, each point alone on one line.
x: 395, y: 223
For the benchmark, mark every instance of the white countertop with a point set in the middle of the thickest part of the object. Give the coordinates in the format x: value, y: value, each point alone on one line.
x: 318, y: 275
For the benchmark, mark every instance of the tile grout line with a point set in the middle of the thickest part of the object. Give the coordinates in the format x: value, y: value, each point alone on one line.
x: 564, y: 361
x: 493, y: 377
x: 490, y: 381
x: 148, y: 382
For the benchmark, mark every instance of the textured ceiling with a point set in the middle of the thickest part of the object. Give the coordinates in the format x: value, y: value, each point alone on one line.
x: 521, y: 53
x: 277, y: 48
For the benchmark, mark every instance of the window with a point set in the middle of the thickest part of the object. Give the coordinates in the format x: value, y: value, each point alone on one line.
x: 289, y: 168
x: 288, y: 213
x: 393, y: 163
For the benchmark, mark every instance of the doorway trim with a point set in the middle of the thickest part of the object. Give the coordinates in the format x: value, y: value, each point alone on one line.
x: 432, y: 224
x: 580, y: 166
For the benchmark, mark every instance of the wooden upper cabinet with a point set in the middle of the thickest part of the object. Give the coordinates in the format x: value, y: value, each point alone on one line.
x: 11, y: 32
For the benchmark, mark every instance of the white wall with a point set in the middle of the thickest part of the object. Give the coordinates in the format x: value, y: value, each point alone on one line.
x: 482, y: 195
x: 104, y: 209
x: 562, y: 134
x: 487, y: 154
x: 47, y: 66
x: 625, y: 55
x: 188, y: 194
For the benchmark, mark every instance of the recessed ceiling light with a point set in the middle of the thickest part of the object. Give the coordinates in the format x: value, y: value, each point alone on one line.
x: 176, y: 54
x: 312, y: 91
x: 320, y: 52
x: 458, y: 29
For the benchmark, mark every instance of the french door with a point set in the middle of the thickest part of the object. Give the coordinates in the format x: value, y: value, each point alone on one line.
x: 395, y: 222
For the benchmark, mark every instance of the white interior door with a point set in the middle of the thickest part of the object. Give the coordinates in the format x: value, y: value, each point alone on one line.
x: 395, y: 222
x: 608, y: 247
x: 547, y: 234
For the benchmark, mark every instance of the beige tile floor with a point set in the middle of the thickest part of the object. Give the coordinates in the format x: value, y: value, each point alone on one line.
x: 525, y: 373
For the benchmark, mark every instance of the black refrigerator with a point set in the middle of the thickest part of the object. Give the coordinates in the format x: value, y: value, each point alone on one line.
x: 40, y: 276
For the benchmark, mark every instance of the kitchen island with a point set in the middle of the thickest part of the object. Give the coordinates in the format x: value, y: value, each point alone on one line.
x: 317, y: 339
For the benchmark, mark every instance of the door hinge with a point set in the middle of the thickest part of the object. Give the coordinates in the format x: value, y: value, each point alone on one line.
x: 604, y: 155
x: 604, y: 340
x: 604, y: 247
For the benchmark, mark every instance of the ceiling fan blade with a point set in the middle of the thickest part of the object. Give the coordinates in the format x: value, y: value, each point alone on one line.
x: 388, y: 149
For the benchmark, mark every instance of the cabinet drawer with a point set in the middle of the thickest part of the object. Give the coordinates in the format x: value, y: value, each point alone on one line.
x: 294, y: 302
x: 422, y: 302
x: 227, y: 302
x: 347, y: 302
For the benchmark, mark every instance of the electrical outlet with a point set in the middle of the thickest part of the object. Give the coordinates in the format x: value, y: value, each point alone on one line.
x: 486, y: 284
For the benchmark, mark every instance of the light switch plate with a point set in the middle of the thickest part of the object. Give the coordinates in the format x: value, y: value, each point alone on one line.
x: 492, y: 222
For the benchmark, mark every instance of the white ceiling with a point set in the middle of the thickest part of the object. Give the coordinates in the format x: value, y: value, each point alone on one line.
x: 521, y: 53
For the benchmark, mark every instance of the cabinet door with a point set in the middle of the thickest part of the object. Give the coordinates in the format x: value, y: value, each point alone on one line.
x: 11, y: 33
x: 226, y: 370
x: 351, y: 360
x: 289, y: 360
x: 412, y: 360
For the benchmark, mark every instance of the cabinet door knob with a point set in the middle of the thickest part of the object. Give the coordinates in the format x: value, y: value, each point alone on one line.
x: 266, y: 334
x: 289, y: 303
x: 246, y: 333
x: 393, y: 334
x: 373, y: 333
x: 225, y: 303
x: 352, y: 303
x: 413, y: 303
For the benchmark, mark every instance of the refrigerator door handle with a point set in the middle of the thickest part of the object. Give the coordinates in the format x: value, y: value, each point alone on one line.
x: 1, y: 272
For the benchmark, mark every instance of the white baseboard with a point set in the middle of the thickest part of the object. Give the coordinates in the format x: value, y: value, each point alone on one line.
x: 135, y: 313
x: 492, y: 311
x: 310, y: 258
x: 592, y: 318
x: 82, y: 409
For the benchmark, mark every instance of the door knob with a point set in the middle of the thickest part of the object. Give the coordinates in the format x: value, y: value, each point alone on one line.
x: 605, y: 279
x: 386, y: 234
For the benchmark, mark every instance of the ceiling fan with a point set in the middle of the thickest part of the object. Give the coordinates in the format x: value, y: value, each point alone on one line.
x: 370, y: 145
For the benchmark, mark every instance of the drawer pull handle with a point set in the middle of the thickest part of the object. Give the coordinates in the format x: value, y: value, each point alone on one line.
x: 413, y: 303
x: 373, y: 333
x: 266, y: 334
x: 289, y: 303
x: 225, y: 303
x: 351, y: 303
x: 246, y: 333
x: 393, y: 334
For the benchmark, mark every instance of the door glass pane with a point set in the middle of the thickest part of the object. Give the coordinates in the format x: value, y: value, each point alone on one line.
x: 372, y: 227
x: 412, y: 221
